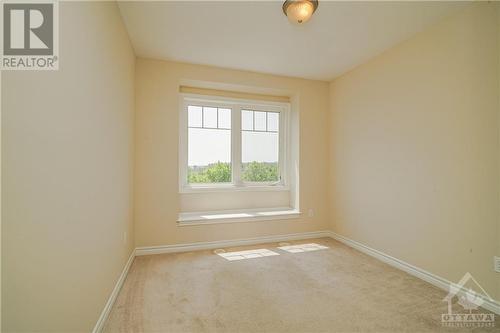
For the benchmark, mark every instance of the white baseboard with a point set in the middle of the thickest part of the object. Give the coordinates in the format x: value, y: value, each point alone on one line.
x: 140, y: 251
x: 489, y: 304
x: 114, y: 294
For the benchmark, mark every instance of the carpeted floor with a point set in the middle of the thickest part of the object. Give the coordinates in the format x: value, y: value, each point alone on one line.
x: 329, y: 290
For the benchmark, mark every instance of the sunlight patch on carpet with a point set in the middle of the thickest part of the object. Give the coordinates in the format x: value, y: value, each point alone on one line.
x: 249, y: 254
x: 303, y: 248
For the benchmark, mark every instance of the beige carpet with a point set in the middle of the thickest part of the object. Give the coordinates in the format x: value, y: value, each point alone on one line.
x: 332, y: 290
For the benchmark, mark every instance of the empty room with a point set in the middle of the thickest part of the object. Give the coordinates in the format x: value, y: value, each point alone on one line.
x: 292, y: 166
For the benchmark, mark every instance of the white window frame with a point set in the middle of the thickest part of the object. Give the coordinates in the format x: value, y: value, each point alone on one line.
x: 236, y: 105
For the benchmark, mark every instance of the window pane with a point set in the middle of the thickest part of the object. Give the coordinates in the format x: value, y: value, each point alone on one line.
x: 260, y: 151
x: 209, y: 117
x: 225, y: 118
x: 260, y: 121
x: 209, y: 156
x: 273, y: 121
x: 247, y: 120
x: 194, y: 116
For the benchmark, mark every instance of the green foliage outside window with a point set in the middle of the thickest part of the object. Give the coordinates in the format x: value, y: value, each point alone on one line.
x: 213, y: 173
x: 221, y: 173
x: 260, y: 172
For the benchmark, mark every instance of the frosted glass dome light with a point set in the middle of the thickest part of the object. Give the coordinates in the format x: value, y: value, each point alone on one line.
x: 299, y: 11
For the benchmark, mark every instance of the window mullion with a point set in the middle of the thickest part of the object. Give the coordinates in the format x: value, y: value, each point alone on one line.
x: 236, y: 145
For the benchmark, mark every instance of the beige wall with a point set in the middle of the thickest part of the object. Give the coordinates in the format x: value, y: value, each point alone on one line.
x: 415, y: 149
x: 202, y: 202
x: 67, y: 168
x: 157, y: 201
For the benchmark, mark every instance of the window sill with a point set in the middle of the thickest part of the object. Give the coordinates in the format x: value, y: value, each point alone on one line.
x: 241, y: 215
x: 232, y: 188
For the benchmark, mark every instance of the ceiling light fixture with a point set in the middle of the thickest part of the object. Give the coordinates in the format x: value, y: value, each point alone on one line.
x: 299, y: 11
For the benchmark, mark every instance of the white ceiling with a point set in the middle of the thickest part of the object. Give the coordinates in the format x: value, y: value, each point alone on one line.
x: 256, y: 36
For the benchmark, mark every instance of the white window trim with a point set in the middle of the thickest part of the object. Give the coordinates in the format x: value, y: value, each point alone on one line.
x: 236, y: 105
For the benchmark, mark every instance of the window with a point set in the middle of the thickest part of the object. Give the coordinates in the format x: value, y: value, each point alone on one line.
x: 259, y: 146
x: 232, y: 144
x: 209, y: 145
